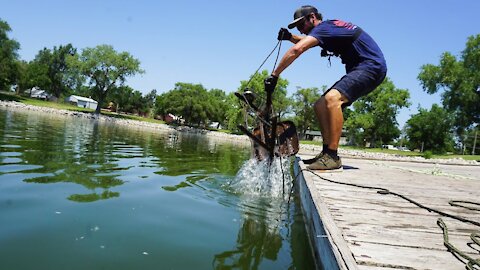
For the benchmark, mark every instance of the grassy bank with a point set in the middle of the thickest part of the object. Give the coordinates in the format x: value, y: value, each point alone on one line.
x: 69, y: 107
x: 399, y: 152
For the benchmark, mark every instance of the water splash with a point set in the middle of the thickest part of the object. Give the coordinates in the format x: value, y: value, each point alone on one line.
x: 260, y: 178
x: 264, y: 190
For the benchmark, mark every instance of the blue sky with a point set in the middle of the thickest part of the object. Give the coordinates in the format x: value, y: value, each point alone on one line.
x: 219, y: 43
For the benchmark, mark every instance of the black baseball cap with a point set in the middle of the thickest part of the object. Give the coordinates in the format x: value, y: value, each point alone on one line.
x: 300, y: 14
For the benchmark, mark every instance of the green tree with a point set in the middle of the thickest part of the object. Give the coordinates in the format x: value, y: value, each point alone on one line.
x: 59, y: 76
x: 8, y: 57
x: 150, y: 99
x: 120, y: 96
x: 129, y: 100
x: 460, y: 81
x: 430, y: 130
x: 139, y: 104
x: 218, y: 109
x: 234, y: 113
x: 303, y: 101
x: 472, y: 141
x: 186, y: 100
x: 373, y: 118
x: 105, y: 69
x: 32, y: 74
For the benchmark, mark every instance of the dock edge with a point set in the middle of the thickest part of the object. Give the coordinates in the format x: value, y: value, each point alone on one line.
x: 329, y: 247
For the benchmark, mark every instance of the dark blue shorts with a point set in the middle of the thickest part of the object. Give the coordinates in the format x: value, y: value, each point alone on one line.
x: 358, y: 82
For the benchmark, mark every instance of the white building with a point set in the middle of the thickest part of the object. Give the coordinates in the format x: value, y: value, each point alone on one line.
x: 36, y: 92
x: 82, y: 102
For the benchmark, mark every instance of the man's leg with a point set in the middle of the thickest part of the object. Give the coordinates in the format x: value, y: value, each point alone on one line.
x: 321, y: 113
x: 334, y: 114
x: 328, y: 110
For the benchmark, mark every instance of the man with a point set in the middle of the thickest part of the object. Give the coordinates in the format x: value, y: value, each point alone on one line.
x: 364, y: 63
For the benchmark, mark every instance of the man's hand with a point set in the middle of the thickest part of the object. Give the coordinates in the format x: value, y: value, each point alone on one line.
x: 270, y: 83
x: 284, y: 34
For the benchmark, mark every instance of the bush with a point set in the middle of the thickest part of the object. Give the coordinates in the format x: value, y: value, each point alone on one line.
x: 427, y: 154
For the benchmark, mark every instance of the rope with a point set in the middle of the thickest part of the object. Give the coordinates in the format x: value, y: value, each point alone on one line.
x: 464, y: 204
x: 471, y: 264
x: 283, y: 176
x: 261, y: 65
x: 279, y: 45
x: 278, y: 54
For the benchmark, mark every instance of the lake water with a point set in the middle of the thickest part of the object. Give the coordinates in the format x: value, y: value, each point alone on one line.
x: 83, y: 194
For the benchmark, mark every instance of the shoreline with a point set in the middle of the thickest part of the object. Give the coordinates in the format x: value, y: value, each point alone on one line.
x: 305, y: 149
x: 18, y: 106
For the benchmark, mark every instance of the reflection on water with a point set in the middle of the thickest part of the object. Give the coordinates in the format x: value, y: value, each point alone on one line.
x: 189, y: 181
x: 93, y: 196
x: 254, y: 243
x: 63, y: 152
x: 269, y: 219
x: 259, y: 238
x: 83, y: 194
x: 77, y: 152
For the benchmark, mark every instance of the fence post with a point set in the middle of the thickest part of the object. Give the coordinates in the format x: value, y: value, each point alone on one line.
x: 474, y: 142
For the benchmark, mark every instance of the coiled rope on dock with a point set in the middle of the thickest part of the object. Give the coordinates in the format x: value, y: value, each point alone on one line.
x: 471, y: 262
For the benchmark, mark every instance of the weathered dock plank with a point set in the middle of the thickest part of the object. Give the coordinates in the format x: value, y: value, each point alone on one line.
x: 378, y: 231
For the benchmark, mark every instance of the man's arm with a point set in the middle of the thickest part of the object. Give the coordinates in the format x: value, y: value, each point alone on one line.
x: 303, y: 43
x: 295, y: 38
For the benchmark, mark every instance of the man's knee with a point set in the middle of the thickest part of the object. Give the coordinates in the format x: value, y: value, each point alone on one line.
x: 335, y: 98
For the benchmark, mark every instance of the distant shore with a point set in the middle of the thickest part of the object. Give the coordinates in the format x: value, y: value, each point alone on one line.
x: 305, y: 149
x: 18, y: 106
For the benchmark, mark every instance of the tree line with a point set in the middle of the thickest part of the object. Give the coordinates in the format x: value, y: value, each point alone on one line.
x: 101, y: 73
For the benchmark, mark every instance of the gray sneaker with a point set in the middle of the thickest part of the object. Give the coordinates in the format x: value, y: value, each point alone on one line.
x: 326, y: 162
x: 312, y: 160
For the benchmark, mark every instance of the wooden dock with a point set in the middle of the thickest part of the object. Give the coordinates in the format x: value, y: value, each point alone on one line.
x: 358, y: 228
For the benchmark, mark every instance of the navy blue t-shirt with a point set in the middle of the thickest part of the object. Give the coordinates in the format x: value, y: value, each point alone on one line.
x: 354, y: 46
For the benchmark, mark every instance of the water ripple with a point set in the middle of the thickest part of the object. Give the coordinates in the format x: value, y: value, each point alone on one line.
x: 10, y: 154
x: 10, y: 146
x: 4, y: 169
